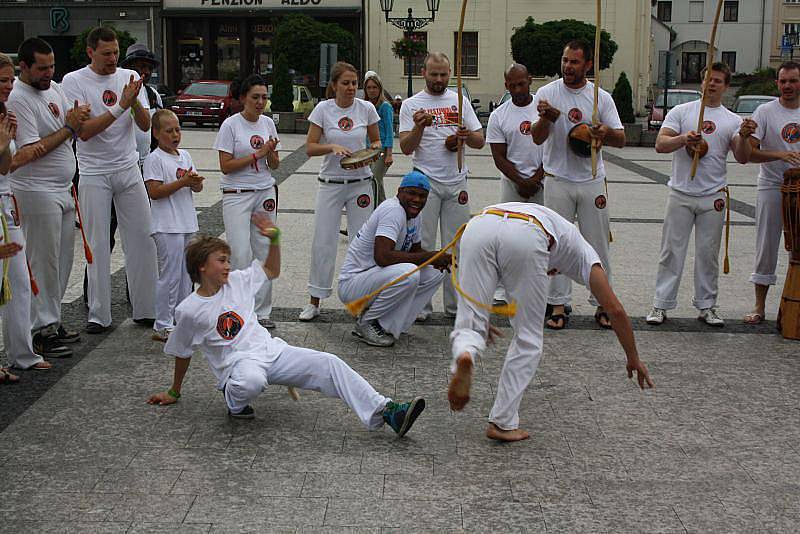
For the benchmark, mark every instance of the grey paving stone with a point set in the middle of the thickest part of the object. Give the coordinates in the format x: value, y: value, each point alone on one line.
x: 254, y: 528
x: 709, y: 516
x: 142, y: 507
x: 236, y: 511
x: 158, y: 482
x: 448, y: 488
x: 306, y: 461
x: 11, y: 525
x: 502, y: 516
x: 393, y: 513
x: 340, y: 485
x: 172, y: 528
x: 583, y: 518
x: 193, y: 459
x: 235, y: 482
x: 396, y: 463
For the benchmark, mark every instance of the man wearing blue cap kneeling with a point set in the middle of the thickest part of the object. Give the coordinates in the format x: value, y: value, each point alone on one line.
x: 386, y: 247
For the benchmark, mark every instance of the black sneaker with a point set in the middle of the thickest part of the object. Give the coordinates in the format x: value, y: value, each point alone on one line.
x: 246, y: 413
x: 401, y: 416
x: 145, y: 322
x: 46, y: 344
x: 67, y: 336
x: 95, y: 328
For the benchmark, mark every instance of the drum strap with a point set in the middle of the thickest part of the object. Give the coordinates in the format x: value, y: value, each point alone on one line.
x: 5, y: 292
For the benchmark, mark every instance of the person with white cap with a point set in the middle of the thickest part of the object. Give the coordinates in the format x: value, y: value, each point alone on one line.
x: 387, y: 247
x: 373, y: 93
x: 139, y: 58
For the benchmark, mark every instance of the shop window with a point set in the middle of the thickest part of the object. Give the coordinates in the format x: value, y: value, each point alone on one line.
x: 11, y: 35
x: 417, y: 62
x: 228, y: 50
x: 469, y: 55
x: 729, y: 58
x: 190, y: 53
x: 730, y: 11
x: 262, y: 33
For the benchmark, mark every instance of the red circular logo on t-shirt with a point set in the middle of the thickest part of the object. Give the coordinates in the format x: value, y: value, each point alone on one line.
x: 709, y: 127
x: 53, y: 107
x: 719, y: 204
x: 180, y: 173
x: 363, y: 201
x: 109, y: 97
x: 525, y: 127
x: 463, y: 197
x: 346, y: 124
x: 269, y: 204
x: 229, y: 324
x: 256, y: 141
x: 791, y: 133
x: 575, y: 115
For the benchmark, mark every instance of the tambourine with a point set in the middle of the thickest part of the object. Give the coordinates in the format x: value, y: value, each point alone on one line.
x: 579, y: 140
x: 360, y: 158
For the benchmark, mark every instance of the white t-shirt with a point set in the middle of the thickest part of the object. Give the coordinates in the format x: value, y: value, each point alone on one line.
x: 114, y: 148
x: 570, y: 255
x: 240, y: 137
x: 576, y: 107
x: 5, y: 183
x: 388, y: 220
x: 143, y: 138
x: 224, y: 327
x: 346, y: 127
x: 175, y: 213
x: 719, y: 127
x: 511, y: 125
x: 431, y: 155
x: 39, y: 114
x: 778, y: 130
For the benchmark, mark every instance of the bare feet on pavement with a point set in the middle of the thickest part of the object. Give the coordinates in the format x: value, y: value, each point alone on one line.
x: 495, y: 432
x: 458, y: 392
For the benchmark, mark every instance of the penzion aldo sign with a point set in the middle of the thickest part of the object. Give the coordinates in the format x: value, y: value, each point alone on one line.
x: 268, y: 4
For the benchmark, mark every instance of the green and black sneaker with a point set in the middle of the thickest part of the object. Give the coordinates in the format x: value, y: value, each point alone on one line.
x: 401, y: 416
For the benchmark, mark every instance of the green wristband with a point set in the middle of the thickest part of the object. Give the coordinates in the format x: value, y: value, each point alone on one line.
x: 276, y: 238
x: 174, y: 394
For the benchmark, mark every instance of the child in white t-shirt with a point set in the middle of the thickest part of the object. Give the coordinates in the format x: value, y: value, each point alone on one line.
x: 170, y: 178
x: 220, y: 320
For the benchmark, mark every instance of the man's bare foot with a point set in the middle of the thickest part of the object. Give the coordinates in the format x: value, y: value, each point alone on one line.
x: 495, y: 432
x: 458, y: 392
x: 754, y: 317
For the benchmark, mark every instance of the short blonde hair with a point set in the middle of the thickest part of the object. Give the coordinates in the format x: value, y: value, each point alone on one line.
x: 160, y: 116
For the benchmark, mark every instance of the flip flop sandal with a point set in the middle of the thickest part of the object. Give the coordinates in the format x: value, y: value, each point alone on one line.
x: 556, y: 318
x: 37, y: 368
x: 8, y: 379
x: 603, y: 315
x: 753, y: 318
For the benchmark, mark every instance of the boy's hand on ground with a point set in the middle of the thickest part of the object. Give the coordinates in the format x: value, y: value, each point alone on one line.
x: 162, y: 399
x: 642, y: 375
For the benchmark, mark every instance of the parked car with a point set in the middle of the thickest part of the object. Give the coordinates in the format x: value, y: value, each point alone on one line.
x: 205, y: 102
x: 476, y: 102
x: 747, y: 104
x: 655, y: 116
x: 166, y: 94
x: 503, y: 99
x: 303, y: 101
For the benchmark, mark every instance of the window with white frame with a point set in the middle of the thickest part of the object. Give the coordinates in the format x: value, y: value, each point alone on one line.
x: 696, y: 11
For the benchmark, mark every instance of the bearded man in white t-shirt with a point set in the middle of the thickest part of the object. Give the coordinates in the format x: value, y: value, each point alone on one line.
x: 771, y: 139
x: 42, y: 187
x: 572, y: 191
x: 109, y: 170
x: 698, y: 202
x: 427, y: 119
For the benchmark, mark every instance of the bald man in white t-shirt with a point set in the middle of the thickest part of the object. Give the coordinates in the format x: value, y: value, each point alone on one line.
x: 109, y: 170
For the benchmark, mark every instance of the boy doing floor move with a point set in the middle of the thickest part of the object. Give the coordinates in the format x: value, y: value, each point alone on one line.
x: 170, y: 178
x: 219, y: 318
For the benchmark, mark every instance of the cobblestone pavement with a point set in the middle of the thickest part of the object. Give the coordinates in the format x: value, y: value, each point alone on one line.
x: 714, y: 448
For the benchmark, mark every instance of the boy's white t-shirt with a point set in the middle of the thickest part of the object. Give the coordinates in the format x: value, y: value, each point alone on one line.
x: 388, y: 220
x: 240, y: 137
x: 114, y: 148
x: 512, y: 125
x: 175, y: 213
x: 576, y: 106
x: 778, y: 130
x: 39, y: 114
x: 719, y: 127
x: 431, y: 155
x: 224, y: 327
x: 346, y: 127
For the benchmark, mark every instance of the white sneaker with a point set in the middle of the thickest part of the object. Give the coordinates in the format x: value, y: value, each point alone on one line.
x: 710, y: 317
x: 656, y: 316
x: 309, y: 313
x: 373, y: 334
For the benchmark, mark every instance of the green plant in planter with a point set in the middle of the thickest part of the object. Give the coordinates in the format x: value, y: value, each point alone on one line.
x: 78, y: 51
x: 282, y: 98
x: 623, y: 98
x: 406, y: 48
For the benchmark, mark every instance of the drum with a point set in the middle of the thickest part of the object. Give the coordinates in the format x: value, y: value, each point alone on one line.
x: 580, y: 140
x: 789, y: 312
x: 702, y: 148
x: 360, y: 158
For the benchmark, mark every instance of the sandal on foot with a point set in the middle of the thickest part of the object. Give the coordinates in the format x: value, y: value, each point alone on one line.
x: 599, y: 316
x: 753, y: 318
x: 41, y: 366
x: 7, y: 378
x: 564, y: 320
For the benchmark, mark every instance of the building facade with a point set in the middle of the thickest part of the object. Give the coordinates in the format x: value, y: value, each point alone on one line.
x: 60, y: 23
x: 785, y: 35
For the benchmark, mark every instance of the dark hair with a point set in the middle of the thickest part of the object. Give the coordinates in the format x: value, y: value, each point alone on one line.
x: 198, y: 251
x: 719, y: 67
x: 582, y: 45
x: 788, y: 65
x: 101, y: 33
x: 240, y: 88
x: 339, y: 68
x: 31, y: 46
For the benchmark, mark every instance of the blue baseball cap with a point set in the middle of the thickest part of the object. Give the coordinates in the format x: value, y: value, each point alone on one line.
x: 416, y: 179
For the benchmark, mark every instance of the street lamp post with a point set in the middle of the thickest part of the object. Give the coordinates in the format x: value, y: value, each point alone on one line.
x: 409, y: 24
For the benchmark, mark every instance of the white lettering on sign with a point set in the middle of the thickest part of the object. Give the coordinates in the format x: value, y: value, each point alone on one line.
x: 231, y: 2
x: 269, y: 4
x: 300, y: 2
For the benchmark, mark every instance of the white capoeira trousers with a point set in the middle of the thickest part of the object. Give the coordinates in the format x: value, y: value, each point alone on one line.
x: 245, y: 240
x: 16, y: 314
x: 49, y: 228
x: 445, y: 211
x: 495, y: 249
x: 174, y: 283
x: 588, y: 202
x: 397, y: 306
x: 126, y: 189
x: 356, y: 199
x: 305, y: 369
x: 707, y: 215
x: 769, y: 225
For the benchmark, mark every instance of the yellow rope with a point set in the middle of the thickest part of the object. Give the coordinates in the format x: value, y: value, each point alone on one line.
x: 5, y: 292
